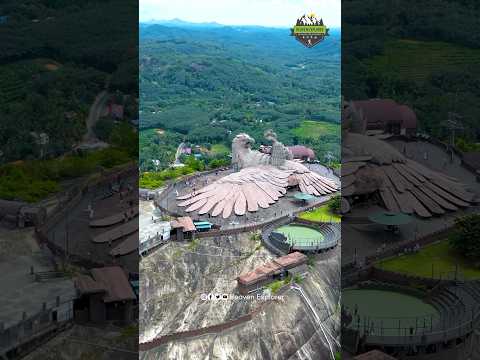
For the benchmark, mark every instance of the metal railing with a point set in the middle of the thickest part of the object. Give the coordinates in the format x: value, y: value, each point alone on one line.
x: 421, y: 330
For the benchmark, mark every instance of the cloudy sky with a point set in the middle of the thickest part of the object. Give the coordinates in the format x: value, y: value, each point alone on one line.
x: 283, y: 13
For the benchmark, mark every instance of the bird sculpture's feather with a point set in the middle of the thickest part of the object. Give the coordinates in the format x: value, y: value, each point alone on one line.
x: 253, y: 188
x: 257, y: 185
x: 404, y: 185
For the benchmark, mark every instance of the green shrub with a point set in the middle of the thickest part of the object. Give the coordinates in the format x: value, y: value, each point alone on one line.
x: 298, y: 279
x: 256, y: 235
x: 275, y: 286
x: 334, y: 204
x: 34, y: 180
x: 466, y: 236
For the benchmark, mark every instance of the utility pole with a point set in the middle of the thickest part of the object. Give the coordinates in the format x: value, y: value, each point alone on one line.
x: 66, y: 238
x: 329, y: 157
x: 452, y: 124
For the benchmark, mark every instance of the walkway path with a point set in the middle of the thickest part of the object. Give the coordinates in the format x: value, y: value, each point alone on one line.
x: 325, y: 332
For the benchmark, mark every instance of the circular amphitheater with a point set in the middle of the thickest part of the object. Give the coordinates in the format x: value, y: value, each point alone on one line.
x: 391, y: 316
x: 288, y: 236
x: 388, y: 313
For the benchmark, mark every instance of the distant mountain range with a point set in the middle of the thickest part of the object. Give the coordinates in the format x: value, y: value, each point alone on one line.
x: 186, y: 24
x: 181, y: 23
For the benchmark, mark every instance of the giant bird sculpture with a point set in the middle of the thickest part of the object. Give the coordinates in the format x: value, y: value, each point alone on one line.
x: 371, y: 165
x: 261, y: 180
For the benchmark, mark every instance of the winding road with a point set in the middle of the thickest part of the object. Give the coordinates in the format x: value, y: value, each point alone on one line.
x: 94, y: 115
x: 89, y: 139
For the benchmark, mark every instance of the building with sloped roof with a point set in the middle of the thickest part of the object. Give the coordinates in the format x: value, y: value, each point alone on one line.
x: 184, y: 227
x: 277, y: 269
x: 387, y: 116
x: 104, y: 295
x: 302, y: 152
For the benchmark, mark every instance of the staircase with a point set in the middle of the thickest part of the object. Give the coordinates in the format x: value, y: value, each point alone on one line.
x: 49, y: 275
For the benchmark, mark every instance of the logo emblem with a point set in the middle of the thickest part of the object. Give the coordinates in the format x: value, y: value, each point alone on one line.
x: 309, y: 30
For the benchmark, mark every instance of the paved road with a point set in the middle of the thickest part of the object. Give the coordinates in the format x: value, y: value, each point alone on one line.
x: 89, y: 140
x: 94, y: 115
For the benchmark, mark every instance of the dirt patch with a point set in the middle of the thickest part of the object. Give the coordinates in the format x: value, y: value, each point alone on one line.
x: 52, y: 67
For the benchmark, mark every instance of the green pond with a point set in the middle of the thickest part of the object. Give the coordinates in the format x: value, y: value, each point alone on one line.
x: 388, y: 312
x: 301, y: 235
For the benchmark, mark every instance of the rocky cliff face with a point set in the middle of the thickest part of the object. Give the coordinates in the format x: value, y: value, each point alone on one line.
x: 174, y: 277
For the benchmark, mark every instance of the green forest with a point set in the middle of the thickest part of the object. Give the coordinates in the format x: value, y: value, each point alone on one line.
x: 204, y: 85
x: 56, y: 56
x: 425, y: 53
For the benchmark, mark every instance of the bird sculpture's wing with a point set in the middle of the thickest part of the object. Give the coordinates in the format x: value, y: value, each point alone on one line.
x: 308, y: 181
x: 403, y: 184
x: 407, y: 187
x: 242, y: 191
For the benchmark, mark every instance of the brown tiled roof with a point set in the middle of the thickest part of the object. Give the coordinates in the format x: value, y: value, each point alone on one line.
x: 184, y: 222
x: 115, y: 281
x: 294, y: 258
x: 259, y: 273
x: 272, y: 267
x: 299, y: 151
x: 381, y: 111
x: 86, y: 285
x: 374, y: 355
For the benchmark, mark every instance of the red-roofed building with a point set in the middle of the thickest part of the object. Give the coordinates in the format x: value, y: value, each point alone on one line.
x: 302, y: 152
x: 388, y: 116
x: 113, y: 110
x: 106, y: 295
x: 265, y: 274
x: 184, y: 227
x: 291, y: 260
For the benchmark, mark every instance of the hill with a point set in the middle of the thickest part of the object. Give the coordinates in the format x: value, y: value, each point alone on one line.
x: 56, y: 56
x: 418, y: 60
x: 427, y: 57
x: 206, y: 84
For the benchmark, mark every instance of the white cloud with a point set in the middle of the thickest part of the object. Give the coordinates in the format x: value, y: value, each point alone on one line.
x: 241, y: 12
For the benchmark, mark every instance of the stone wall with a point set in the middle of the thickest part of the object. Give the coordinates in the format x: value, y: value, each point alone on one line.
x: 198, y: 332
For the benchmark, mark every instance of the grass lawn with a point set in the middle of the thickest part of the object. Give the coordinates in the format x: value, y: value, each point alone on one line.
x: 416, y: 60
x: 220, y: 149
x: 441, y: 255
x: 315, y: 129
x: 154, y: 180
x: 320, y: 214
